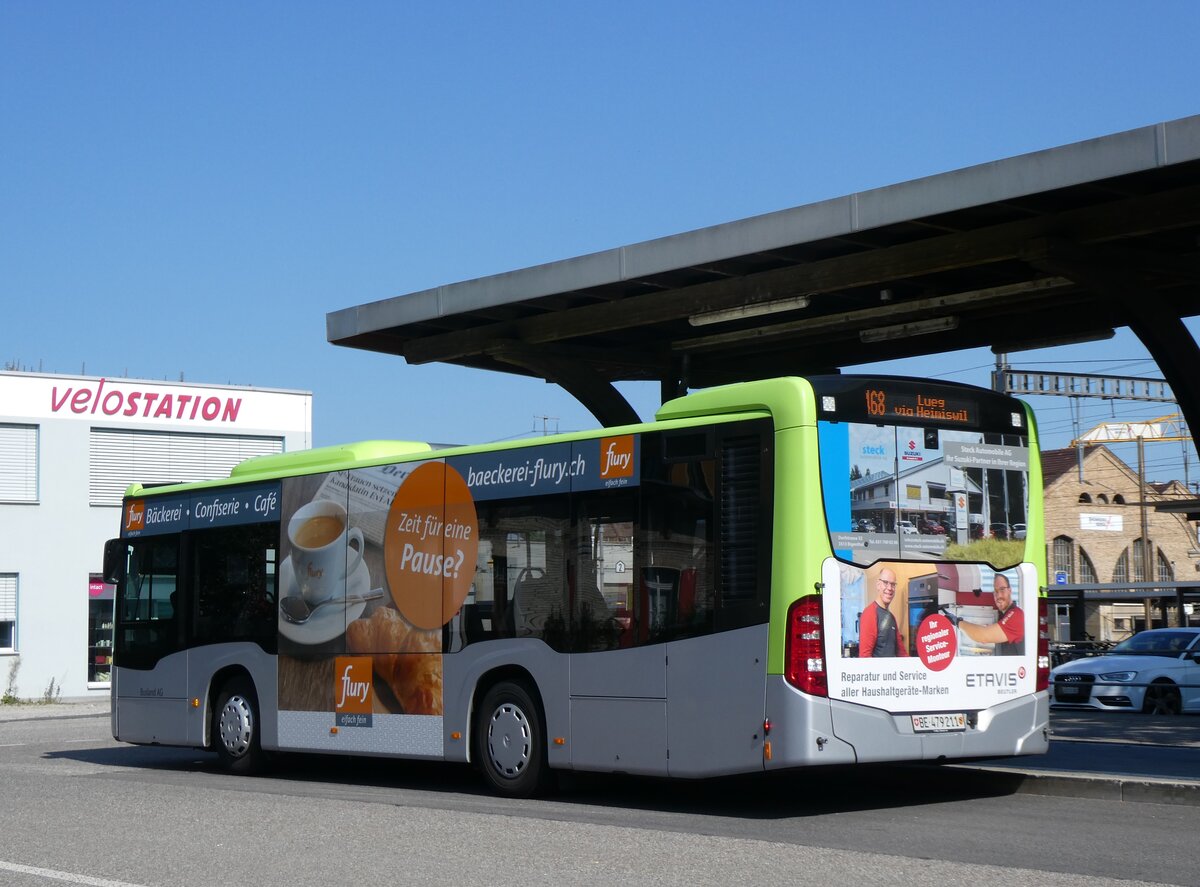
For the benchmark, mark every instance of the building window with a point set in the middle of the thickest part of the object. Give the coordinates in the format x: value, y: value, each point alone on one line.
x: 120, y: 457
x: 1087, y: 570
x: 1118, y: 499
x: 1102, y: 499
x: 1166, y: 573
x: 1064, y: 556
x: 1121, y: 570
x: 1140, y: 573
x: 8, y: 612
x: 1085, y: 498
x: 18, y: 463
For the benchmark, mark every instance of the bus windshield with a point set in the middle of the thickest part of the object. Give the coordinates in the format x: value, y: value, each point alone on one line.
x: 899, y: 490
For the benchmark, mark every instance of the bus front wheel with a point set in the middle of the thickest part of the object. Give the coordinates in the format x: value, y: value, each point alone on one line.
x: 511, y: 741
x: 236, y: 727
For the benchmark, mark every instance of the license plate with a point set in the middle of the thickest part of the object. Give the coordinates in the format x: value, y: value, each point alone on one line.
x: 939, y: 723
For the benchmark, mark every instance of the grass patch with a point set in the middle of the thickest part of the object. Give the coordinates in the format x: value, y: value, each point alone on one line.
x: 1002, y: 552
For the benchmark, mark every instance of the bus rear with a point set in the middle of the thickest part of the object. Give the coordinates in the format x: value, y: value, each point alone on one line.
x: 924, y: 626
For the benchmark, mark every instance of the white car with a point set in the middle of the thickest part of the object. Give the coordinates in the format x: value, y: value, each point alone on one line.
x: 1149, y: 672
x: 1018, y: 531
x: 907, y: 527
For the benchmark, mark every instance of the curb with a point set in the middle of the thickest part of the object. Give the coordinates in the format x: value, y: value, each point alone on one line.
x: 1094, y: 786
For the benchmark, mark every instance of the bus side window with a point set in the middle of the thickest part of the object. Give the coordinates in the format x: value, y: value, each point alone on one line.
x: 603, y: 570
x: 675, y: 594
x: 233, y: 584
x: 521, y: 588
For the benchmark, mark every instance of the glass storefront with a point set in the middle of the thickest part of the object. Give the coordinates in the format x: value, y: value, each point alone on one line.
x: 100, y: 631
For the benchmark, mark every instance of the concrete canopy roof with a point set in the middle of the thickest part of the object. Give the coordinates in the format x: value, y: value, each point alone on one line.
x: 1036, y: 249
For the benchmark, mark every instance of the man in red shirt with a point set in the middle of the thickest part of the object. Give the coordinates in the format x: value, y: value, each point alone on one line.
x: 1008, y: 631
x: 878, y: 632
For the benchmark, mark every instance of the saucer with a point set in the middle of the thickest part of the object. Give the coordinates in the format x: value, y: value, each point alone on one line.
x: 329, y: 621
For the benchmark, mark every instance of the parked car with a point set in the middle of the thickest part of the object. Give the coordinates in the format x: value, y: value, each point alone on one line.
x: 906, y: 527
x: 1149, y: 672
x: 1018, y: 531
x: 1000, y: 531
x: 931, y: 528
x: 866, y: 525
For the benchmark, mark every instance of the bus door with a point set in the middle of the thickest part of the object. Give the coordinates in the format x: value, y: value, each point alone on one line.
x: 150, y: 677
x: 617, y: 607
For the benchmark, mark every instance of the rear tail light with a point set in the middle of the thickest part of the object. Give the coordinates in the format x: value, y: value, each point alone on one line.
x: 804, y: 654
x: 1043, y: 645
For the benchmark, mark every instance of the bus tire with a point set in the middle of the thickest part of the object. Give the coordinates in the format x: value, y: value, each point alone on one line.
x: 511, y: 740
x: 237, y: 729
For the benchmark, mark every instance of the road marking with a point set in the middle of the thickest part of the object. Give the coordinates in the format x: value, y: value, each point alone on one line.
x: 70, y: 877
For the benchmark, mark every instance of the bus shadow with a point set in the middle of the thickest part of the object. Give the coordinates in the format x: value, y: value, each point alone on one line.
x: 788, y: 794
x: 797, y: 793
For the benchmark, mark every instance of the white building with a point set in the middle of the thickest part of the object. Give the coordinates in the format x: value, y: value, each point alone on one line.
x: 69, y: 446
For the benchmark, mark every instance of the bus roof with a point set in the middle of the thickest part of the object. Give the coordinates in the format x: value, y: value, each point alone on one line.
x: 788, y: 401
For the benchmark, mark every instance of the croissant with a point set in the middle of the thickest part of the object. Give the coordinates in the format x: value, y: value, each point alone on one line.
x: 407, y: 659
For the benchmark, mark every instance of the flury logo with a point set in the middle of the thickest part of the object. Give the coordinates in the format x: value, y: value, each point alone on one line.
x: 135, y: 516
x: 616, y: 456
x: 352, y: 690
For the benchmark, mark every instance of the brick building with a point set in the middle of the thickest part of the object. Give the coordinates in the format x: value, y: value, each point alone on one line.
x: 1094, y: 532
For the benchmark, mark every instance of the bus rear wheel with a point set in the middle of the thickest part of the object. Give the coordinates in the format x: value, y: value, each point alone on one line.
x: 236, y: 727
x: 511, y: 741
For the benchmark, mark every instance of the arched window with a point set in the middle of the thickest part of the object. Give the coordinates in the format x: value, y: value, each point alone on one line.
x: 1085, y: 498
x: 1064, y: 556
x: 1102, y: 499
x: 1140, y: 573
x: 1166, y: 573
x: 1118, y: 499
x: 1087, y: 570
x: 1121, y: 570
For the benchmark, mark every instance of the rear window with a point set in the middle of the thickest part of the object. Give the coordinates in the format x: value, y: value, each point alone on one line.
x: 900, y: 492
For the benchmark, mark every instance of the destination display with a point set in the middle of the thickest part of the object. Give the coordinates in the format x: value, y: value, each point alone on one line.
x: 884, y: 404
x: 921, y: 404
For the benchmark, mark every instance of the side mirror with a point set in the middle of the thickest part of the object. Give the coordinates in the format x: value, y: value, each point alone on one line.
x: 114, y: 561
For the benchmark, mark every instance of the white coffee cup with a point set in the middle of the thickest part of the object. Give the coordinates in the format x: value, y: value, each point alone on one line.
x: 321, y: 549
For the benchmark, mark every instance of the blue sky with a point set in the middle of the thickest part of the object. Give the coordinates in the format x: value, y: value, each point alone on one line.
x: 190, y: 188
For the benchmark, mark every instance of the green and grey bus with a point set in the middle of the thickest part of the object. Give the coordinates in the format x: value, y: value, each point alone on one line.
x: 770, y: 575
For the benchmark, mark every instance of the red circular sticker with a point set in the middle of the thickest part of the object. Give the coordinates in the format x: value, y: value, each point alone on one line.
x: 937, y: 642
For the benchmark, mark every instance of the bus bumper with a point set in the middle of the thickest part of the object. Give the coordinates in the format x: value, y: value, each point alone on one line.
x: 807, y: 730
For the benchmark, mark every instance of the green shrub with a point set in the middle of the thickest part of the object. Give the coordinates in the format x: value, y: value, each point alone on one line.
x: 10, y: 688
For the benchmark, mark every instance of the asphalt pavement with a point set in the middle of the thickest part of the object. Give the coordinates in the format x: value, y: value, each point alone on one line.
x: 1113, y: 756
